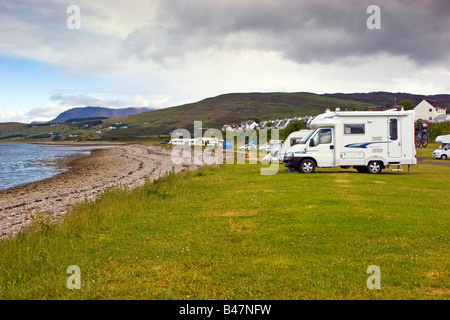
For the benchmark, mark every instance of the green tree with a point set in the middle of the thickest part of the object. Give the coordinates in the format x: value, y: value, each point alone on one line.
x: 294, y: 126
x: 407, y: 105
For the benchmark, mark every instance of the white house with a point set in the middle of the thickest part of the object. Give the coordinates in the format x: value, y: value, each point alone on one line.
x: 227, y: 127
x: 283, y: 123
x: 428, y: 110
x: 248, y: 125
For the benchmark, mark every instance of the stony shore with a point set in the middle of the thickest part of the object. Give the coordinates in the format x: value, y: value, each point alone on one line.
x: 86, y: 178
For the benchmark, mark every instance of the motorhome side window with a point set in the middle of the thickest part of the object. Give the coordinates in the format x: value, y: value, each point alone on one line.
x: 295, y: 141
x: 393, y: 129
x: 354, y: 128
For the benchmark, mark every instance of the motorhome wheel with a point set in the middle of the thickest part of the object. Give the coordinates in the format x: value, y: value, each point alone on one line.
x: 307, y: 166
x: 374, y: 167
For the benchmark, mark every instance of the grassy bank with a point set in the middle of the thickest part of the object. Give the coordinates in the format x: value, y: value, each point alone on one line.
x: 231, y: 233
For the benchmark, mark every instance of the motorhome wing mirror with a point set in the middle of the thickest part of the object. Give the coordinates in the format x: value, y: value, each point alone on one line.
x: 311, y: 143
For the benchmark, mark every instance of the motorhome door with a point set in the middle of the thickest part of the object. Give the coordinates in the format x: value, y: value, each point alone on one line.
x: 394, y: 138
x: 321, y: 147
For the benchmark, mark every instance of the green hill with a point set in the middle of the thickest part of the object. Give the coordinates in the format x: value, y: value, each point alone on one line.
x: 233, y: 108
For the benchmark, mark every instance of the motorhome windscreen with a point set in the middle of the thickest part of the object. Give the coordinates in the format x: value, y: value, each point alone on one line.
x: 305, y: 139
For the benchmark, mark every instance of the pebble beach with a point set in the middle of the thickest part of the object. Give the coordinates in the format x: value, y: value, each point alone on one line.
x: 86, y: 178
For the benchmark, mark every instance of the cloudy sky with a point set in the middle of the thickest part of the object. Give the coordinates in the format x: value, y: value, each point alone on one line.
x: 150, y: 53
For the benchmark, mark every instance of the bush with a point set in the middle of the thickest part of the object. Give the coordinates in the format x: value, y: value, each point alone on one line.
x: 438, y: 129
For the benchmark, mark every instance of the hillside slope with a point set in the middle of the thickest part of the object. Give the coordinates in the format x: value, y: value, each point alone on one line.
x: 235, y: 107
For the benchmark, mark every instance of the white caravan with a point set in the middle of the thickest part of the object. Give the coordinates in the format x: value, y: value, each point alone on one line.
x: 443, y: 152
x: 369, y: 141
x: 292, y: 139
x: 212, y: 142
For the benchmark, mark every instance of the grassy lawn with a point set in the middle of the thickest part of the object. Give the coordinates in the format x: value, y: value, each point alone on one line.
x: 231, y: 233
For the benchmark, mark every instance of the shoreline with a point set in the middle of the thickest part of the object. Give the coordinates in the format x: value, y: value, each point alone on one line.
x: 86, y: 177
x: 61, y: 164
x: 79, y: 144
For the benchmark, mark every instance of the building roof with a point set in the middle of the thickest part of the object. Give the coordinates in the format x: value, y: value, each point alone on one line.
x: 435, y: 104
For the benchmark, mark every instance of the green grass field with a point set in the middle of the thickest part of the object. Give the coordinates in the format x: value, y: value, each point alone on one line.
x: 231, y: 233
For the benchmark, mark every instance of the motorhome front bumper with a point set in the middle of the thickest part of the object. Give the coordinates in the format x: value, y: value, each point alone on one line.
x: 291, y: 162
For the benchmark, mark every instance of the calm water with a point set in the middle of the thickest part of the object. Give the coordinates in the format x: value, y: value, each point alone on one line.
x: 23, y: 163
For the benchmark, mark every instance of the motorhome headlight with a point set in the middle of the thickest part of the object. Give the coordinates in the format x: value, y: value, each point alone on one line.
x: 289, y: 154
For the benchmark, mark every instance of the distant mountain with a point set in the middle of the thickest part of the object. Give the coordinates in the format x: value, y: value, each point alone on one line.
x: 96, y: 112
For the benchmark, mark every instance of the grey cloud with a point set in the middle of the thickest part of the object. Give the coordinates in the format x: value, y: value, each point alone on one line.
x: 302, y: 31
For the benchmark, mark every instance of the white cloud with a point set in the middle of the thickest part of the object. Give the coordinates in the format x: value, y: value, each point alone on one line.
x: 18, y: 116
x: 46, y: 112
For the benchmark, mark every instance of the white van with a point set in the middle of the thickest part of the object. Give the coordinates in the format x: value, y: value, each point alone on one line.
x: 443, y: 152
x: 368, y: 141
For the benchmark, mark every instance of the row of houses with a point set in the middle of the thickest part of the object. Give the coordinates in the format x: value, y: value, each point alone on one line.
x: 269, y: 124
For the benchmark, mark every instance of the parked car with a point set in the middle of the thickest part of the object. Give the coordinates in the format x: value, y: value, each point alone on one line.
x: 443, y: 152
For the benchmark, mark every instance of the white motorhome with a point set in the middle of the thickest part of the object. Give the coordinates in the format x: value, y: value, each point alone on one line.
x: 443, y: 152
x: 368, y: 141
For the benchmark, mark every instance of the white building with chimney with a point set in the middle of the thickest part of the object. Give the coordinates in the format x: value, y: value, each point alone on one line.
x: 428, y: 110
